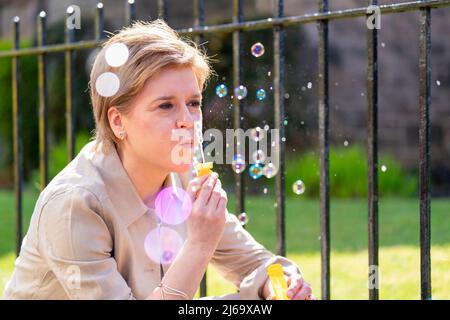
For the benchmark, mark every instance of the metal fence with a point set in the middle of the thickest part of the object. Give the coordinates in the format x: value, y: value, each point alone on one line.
x: 278, y: 23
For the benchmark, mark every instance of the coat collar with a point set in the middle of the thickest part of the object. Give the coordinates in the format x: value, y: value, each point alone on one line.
x: 119, y: 187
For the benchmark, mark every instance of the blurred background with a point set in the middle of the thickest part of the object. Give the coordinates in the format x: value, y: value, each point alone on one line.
x: 398, y: 132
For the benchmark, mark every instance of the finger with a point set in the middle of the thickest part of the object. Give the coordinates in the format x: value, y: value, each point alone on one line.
x: 224, y: 198
x: 222, y: 205
x: 216, y: 194
x: 271, y: 295
x: 194, y: 186
x: 217, y: 189
x: 207, y: 188
x: 304, y: 292
x: 295, y: 283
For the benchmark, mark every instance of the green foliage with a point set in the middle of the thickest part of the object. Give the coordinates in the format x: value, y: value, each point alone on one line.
x: 58, y: 158
x: 348, y: 174
x: 29, y: 105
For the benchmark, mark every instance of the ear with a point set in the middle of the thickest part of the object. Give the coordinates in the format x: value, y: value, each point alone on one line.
x: 115, y: 120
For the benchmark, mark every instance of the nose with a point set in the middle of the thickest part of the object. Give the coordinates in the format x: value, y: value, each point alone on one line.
x: 186, y: 119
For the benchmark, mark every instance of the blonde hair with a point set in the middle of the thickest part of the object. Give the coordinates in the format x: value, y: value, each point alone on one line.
x: 152, y: 46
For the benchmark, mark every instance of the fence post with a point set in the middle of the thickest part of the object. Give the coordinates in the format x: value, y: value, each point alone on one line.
x: 17, y: 133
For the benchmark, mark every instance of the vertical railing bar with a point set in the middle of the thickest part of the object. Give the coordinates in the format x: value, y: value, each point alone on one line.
x: 372, y: 156
x: 17, y: 134
x: 324, y: 152
x: 43, y: 102
x: 163, y: 10
x: 99, y: 22
x: 279, y: 115
x: 238, y: 110
x: 70, y: 108
x: 199, y: 20
x: 130, y: 11
x: 424, y: 150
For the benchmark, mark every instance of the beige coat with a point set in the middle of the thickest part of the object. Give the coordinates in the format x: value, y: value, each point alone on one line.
x: 86, y: 239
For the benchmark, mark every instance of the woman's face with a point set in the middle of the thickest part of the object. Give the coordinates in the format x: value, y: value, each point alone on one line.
x: 160, y: 124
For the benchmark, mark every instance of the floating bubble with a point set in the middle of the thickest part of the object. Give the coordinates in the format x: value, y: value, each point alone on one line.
x: 107, y: 84
x: 265, y: 191
x: 258, y: 156
x: 116, y: 54
x: 257, y: 134
x: 238, y: 163
x: 257, y: 49
x: 309, y: 85
x: 260, y: 94
x: 243, y: 218
x: 345, y: 143
x: 221, y: 90
x: 438, y: 83
x: 173, y: 205
x: 255, y: 171
x: 383, y: 168
x: 269, y: 170
x: 298, y: 187
x: 240, y: 92
x: 383, y: 44
x: 162, y: 244
x: 285, y: 122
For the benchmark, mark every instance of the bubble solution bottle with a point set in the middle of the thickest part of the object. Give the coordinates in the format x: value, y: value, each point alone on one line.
x: 279, y: 285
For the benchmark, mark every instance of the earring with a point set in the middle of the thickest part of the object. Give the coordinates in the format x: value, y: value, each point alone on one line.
x: 121, y: 135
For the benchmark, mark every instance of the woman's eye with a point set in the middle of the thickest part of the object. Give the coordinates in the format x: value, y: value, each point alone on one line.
x: 166, y: 106
x: 195, y: 104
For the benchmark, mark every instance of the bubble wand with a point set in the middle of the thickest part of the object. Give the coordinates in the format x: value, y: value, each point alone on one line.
x: 203, y: 168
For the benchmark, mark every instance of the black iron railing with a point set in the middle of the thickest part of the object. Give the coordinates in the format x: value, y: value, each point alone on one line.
x: 237, y: 27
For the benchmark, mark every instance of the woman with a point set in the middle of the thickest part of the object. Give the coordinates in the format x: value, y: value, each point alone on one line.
x: 87, y: 236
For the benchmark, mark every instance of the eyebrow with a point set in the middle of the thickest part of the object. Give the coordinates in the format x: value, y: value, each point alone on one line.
x: 163, y: 98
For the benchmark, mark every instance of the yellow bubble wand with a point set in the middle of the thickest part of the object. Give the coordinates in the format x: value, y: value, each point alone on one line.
x: 279, y: 285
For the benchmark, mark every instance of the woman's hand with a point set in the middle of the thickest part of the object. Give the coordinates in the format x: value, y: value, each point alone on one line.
x: 298, y: 289
x: 207, y: 221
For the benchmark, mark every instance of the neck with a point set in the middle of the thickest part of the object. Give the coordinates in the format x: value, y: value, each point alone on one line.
x: 147, y: 180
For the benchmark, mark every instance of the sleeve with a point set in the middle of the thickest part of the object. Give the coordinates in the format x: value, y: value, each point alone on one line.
x: 240, y: 259
x: 76, y: 244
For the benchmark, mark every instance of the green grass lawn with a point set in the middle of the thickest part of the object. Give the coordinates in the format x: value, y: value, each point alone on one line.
x: 399, y: 243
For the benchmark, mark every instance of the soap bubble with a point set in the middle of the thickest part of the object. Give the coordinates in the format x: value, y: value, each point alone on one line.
x: 383, y: 168
x: 255, y: 171
x: 298, y: 187
x: 261, y: 94
x: 173, y: 205
x: 258, y: 156
x: 257, y: 134
x: 238, y: 163
x: 221, y: 90
x: 270, y: 170
x: 240, y: 92
x: 162, y: 244
x: 107, y: 84
x: 116, y: 54
x: 243, y: 218
x: 257, y: 49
